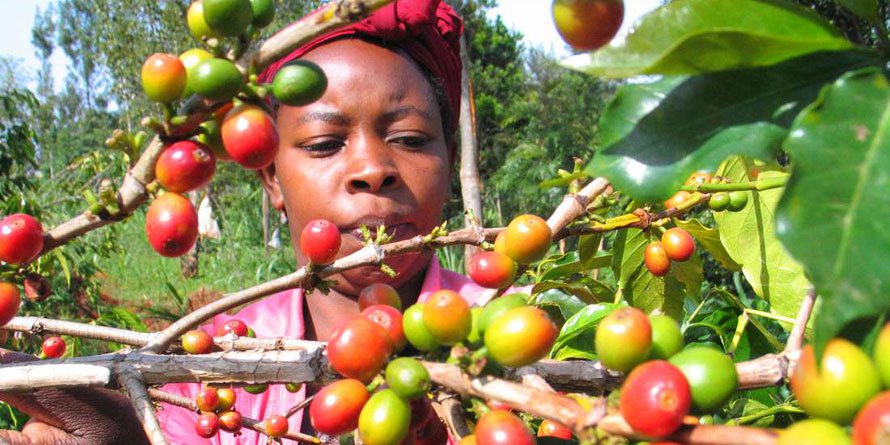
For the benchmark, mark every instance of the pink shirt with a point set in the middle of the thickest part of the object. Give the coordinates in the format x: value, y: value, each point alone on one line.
x: 280, y: 315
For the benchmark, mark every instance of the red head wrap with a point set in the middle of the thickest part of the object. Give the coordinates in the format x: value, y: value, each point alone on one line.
x: 427, y: 30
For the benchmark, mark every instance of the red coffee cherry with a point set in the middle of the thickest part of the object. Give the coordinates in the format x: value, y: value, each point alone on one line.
x: 336, y: 408
x: 492, y: 270
x: 678, y: 244
x: 234, y: 325
x: 53, y: 347
x: 227, y: 398
x: 527, y: 239
x: 588, y: 24
x: 677, y: 199
x: 656, y: 259
x: 623, y: 339
x: 320, y: 242
x: 207, y: 425
x: 197, y: 342
x: 207, y: 399
x: 10, y: 300
x: 550, y: 428
x: 185, y: 166
x: 379, y: 293
x: 171, y: 225
x: 502, y: 428
x: 838, y: 387
x: 275, y: 426
x: 388, y: 318
x: 21, y: 238
x: 872, y: 425
x: 654, y: 398
x: 250, y: 136
x: 359, y: 348
x: 231, y: 421
x: 520, y: 336
x: 163, y: 77
x: 447, y: 316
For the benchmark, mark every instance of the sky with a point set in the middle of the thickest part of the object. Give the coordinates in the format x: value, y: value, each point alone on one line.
x: 530, y: 17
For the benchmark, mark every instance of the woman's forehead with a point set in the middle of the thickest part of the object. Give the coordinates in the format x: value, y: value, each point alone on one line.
x: 358, y: 71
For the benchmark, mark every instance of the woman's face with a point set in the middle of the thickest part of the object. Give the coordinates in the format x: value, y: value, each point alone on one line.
x: 371, y: 151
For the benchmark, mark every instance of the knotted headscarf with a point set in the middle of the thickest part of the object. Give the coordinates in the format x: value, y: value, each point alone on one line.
x: 427, y: 30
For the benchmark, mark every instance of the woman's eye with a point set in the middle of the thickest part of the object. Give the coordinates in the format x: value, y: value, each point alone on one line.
x: 410, y: 141
x: 323, y: 146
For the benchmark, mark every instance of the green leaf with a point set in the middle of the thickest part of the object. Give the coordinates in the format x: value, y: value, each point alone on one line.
x: 583, y: 325
x: 749, y: 238
x: 587, y: 289
x: 833, y: 215
x: 709, y: 239
x: 568, y: 304
x: 570, y: 264
x: 63, y: 262
x: 867, y: 9
x: 588, y: 246
x: 744, y: 408
x: 763, y: 340
x: 576, y: 349
x: 698, y: 36
x: 648, y: 292
x: 655, y: 135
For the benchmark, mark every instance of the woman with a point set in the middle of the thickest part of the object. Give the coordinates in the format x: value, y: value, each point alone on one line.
x: 376, y: 149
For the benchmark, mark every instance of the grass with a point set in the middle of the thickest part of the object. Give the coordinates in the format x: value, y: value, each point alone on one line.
x: 238, y: 261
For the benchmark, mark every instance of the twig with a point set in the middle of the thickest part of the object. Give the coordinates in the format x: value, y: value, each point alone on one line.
x: 222, y: 367
x: 698, y: 434
x: 322, y: 21
x: 299, y: 406
x: 574, y: 205
x: 135, y: 386
x: 130, y: 196
x: 27, y: 376
x: 39, y: 326
x: 369, y: 255
x: 449, y: 409
x: 567, y: 411
x: 256, y: 425
x: 575, y: 375
x: 795, y: 338
x: 470, y: 180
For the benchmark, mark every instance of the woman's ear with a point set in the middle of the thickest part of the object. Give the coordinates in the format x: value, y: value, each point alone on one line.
x: 273, y: 188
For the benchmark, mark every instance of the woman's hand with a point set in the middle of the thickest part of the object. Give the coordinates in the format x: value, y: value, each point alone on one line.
x: 94, y: 416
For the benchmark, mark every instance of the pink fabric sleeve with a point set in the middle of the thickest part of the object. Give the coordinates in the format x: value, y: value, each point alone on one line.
x: 280, y: 315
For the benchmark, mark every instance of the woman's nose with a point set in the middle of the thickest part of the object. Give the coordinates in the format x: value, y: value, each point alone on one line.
x: 371, y: 167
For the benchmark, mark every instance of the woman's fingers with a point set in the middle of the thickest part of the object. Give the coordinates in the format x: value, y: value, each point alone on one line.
x: 72, y: 416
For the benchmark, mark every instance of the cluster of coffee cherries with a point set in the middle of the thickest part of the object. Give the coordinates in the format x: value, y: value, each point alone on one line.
x: 217, y: 414
x: 734, y: 201
x: 676, y: 245
x: 666, y: 381
x: 512, y: 332
x: 240, y: 129
x: 845, y: 386
x: 216, y: 405
x: 524, y: 241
